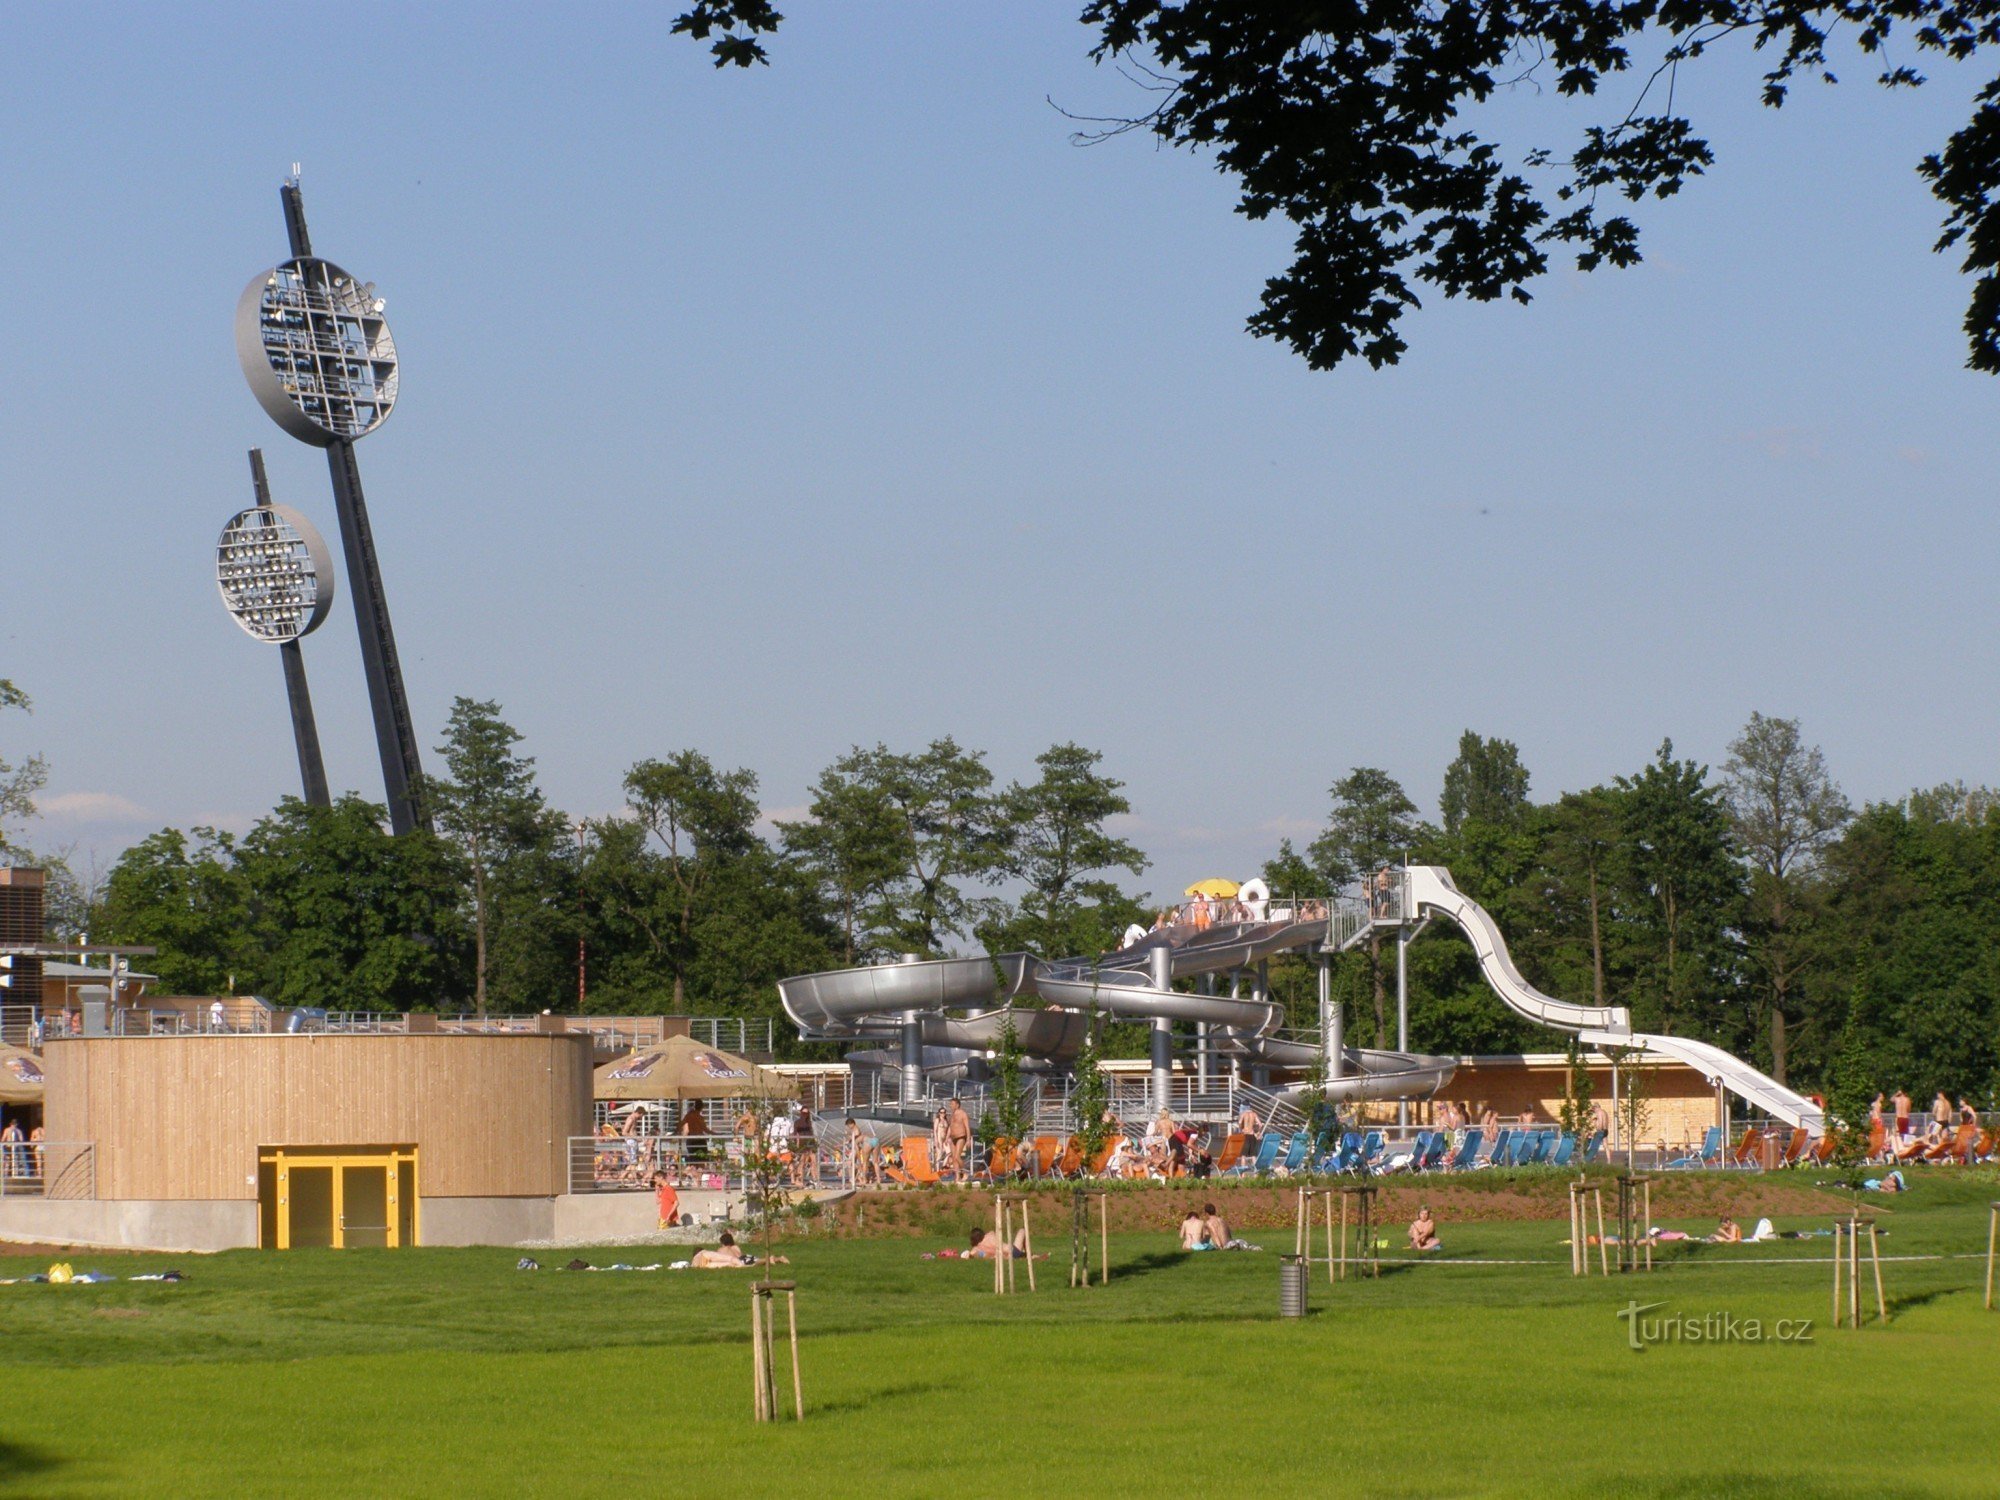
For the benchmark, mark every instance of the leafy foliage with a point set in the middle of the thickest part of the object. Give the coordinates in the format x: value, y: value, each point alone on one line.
x: 1359, y: 124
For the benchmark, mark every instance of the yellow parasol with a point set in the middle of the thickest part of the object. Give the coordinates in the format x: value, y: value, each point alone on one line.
x: 1222, y: 889
x: 682, y: 1068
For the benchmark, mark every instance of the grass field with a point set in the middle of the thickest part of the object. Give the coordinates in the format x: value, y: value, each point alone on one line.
x: 449, y: 1372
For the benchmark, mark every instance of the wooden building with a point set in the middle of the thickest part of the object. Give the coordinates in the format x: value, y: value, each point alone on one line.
x: 341, y: 1139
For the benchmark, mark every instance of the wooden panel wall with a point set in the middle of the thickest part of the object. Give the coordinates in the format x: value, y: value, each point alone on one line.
x: 184, y: 1116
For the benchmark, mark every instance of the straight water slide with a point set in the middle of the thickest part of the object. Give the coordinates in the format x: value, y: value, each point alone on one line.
x: 1430, y: 892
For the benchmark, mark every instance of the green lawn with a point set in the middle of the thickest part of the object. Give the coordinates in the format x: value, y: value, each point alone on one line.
x: 449, y: 1372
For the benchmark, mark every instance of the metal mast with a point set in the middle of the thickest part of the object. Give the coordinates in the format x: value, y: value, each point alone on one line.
x: 305, y: 732
x: 320, y: 360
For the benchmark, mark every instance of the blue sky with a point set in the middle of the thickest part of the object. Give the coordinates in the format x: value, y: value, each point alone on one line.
x: 847, y: 400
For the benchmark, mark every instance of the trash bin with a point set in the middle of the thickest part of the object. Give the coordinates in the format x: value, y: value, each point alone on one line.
x: 1293, y: 1271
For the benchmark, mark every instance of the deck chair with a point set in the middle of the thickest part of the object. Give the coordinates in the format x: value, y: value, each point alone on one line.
x: 1545, y: 1142
x: 1747, y: 1149
x: 1821, y: 1150
x: 1371, y: 1146
x: 1711, y: 1147
x: 1232, y: 1153
x: 1046, y: 1148
x: 1468, y: 1151
x: 914, y: 1155
x: 1590, y: 1150
x: 1070, y: 1163
x: 1877, y: 1140
x: 1434, y: 1157
x: 1524, y: 1144
x: 1103, y: 1158
x: 1795, y: 1147
x: 1004, y: 1160
x: 1983, y: 1147
x: 1295, y: 1153
x: 1266, y: 1158
x: 1565, y: 1149
x: 1956, y: 1147
x: 1413, y: 1159
x: 1503, y: 1148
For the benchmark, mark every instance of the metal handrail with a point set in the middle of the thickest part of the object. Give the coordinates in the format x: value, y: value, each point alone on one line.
x: 48, y: 1169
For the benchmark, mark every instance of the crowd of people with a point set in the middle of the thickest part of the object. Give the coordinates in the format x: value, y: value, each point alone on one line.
x: 1948, y: 1133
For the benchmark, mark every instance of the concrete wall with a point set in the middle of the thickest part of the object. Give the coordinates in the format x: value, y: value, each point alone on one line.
x: 583, y: 1218
x: 484, y: 1221
x: 178, y: 1224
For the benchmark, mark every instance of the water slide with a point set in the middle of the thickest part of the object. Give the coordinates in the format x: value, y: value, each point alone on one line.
x: 943, y: 1011
x: 1430, y: 892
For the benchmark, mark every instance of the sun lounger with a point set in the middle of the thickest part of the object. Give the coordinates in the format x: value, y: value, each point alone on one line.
x: 1004, y: 1160
x: 1595, y: 1145
x: 1103, y: 1158
x: 1795, y: 1147
x: 1747, y: 1152
x: 1468, y: 1151
x: 1295, y: 1153
x: 1503, y: 1148
x: 1232, y: 1152
x: 1044, y: 1151
x: 916, y: 1169
x: 1711, y: 1148
x: 1565, y: 1149
x: 1266, y: 1158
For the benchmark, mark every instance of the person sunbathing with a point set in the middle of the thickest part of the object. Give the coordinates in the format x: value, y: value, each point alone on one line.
x: 1728, y: 1232
x: 728, y: 1256
x: 986, y: 1245
x: 1423, y: 1231
x: 1219, y: 1233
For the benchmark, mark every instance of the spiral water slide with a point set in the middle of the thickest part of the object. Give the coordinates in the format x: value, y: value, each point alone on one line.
x: 932, y: 1007
x: 1430, y: 892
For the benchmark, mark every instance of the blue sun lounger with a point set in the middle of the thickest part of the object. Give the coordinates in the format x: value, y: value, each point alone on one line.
x: 1468, y: 1152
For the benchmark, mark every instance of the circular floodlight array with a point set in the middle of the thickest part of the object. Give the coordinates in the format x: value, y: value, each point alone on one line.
x: 316, y: 351
x: 275, y: 573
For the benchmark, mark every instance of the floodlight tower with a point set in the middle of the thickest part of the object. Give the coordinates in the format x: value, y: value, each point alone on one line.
x: 277, y: 583
x: 320, y: 361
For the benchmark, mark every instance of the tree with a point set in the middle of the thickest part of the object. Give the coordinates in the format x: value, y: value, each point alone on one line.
x: 1486, y: 783
x: 345, y: 915
x: 19, y: 784
x: 1373, y: 823
x: 703, y: 820
x: 1684, y: 888
x: 488, y: 806
x: 1785, y: 809
x: 1058, y: 845
x: 948, y: 829
x: 1582, y: 848
x: 1357, y: 124
x: 189, y: 899
x: 850, y: 842
x: 1091, y: 1096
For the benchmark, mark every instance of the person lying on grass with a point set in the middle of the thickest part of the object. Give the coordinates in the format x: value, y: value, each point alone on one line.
x: 729, y: 1256
x: 986, y: 1246
x: 1423, y: 1231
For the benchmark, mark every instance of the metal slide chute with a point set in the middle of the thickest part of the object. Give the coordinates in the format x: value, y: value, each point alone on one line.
x: 1430, y: 892
x: 1755, y: 1088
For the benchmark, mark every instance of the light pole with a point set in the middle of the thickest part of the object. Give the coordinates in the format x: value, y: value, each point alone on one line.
x: 276, y: 581
x: 317, y: 354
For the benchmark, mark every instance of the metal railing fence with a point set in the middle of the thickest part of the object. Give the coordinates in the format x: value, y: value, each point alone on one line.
x: 48, y: 1169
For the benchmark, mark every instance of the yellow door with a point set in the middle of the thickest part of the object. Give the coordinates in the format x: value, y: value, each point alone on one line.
x: 337, y: 1197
